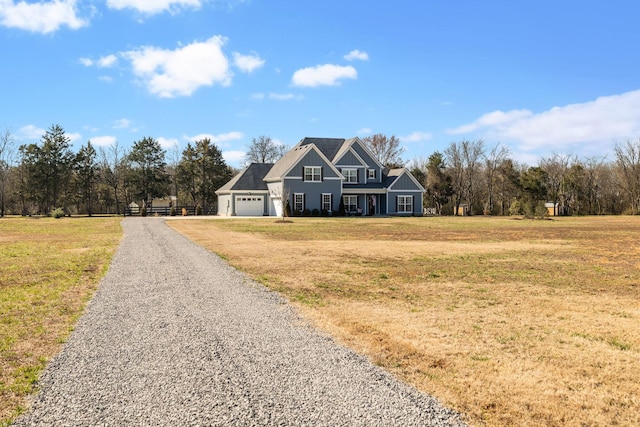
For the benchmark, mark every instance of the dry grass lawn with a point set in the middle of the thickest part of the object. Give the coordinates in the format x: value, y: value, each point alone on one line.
x: 49, y: 269
x: 511, y: 322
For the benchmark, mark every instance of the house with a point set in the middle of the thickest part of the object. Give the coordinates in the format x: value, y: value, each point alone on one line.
x: 320, y: 174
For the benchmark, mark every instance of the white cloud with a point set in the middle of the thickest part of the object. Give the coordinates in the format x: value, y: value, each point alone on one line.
x: 323, y: 75
x: 170, y: 73
x: 107, y: 79
x: 30, y: 132
x: 107, y: 61
x: 104, y: 62
x: 417, y: 136
x: 152, y: 7
x: 73, y: 136
x: 257, y: 96
x: 284, y: 96
x: 357, y: 54
x: 584, y: 126
x: 216, y: 139
x: 167, y: 142
x: 364, y: 131
x: 247, y: 63
x: 122, y: 124
x: 43, y: 17
x: 233, y: 157
x: 103, y: 141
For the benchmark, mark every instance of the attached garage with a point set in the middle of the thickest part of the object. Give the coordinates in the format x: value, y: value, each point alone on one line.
x: 249, y: 205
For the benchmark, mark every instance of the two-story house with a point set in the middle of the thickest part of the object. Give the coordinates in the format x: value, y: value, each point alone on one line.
x: 320, y: 173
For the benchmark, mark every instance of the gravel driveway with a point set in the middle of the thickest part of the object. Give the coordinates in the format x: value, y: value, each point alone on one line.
x: 175, y: 336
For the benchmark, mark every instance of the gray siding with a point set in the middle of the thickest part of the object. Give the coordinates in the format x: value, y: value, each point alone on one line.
x: 313, y: 192
x: 393, y: 203
x: 369, y: 160
x: 405, y: 183
x: 348, y: 160
x: 311, y: 159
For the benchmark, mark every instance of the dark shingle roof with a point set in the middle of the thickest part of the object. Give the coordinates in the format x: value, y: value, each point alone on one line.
x: 250, y: 178
x: 327, y: 146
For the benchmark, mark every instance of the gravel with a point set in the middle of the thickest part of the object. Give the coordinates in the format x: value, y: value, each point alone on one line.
x: 175, y: 336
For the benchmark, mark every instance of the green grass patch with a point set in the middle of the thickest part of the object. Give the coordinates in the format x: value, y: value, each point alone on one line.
x: 49, y: 269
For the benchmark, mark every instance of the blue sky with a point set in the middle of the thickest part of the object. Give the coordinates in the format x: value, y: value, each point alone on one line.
x: 540, y: 77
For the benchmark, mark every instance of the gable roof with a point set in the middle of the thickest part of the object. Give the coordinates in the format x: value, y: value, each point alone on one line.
x: 393, y: 175
x: 327, y: 146
x: 292, y: 157
x: 250, y: 178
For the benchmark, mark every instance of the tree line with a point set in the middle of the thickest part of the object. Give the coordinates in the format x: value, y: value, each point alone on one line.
x: 486, y: 180
x: 37, y: 178
x: 467, y: 177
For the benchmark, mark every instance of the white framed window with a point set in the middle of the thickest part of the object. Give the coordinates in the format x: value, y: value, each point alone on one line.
x: 405, y: 204
x: 371, y: 174
x: 326, y: 202
x: 298, y: 202
x: 351, y: 175
x: 350, y: 203
x: 313, y: 173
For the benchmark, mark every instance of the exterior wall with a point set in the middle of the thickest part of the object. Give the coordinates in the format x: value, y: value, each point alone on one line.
x: 313, y: 192
x: 312, y: 158
x: 275, y: 197
x: 369, y: 160
x: 227, y: 202
x: 348, y: 159
x: 392, y: 200
x: 404, y: 183
x: 224, y: 205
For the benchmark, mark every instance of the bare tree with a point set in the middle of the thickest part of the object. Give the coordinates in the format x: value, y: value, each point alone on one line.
x: 112, y: 165
x: 556, y: 168
x: 264, y: 150
x: 386, y: 149
x: 628, y: 156
x: 492, y: 161
x: 7, y: 143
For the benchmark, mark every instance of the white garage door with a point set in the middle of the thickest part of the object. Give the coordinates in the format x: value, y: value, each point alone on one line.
x: 249, y: 205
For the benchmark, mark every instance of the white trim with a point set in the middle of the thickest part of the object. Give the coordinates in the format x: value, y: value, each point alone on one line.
x: 330, y: 201
x: 405, y: 204
x: 306, y: 148
x: 369, y: 152
x: 356, y: 155
x: 294, y: 201
x: 347, y: 180
x: 405, y: 171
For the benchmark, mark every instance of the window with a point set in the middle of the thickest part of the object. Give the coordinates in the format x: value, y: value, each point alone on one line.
x: 326, y: 202
x: 350, y: 203
x: 351, y: 175
x: 372, y: 174
x: 313, y: 173
x: 298, y: 202
x: 405, y: 204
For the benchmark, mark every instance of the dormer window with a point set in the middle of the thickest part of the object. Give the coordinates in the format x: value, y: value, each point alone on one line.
x: 351, y: 175
x: 371, y: 174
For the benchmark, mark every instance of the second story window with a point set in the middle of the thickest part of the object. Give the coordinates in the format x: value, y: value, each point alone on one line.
x: 351, y: 175
x: 372, y: 174
x: 313, y: 173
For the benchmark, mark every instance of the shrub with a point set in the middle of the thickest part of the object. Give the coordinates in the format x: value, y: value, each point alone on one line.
x: 324, y: 212
x: 315, y: 212
x: 143, y: 211
x: 57, y: 213
x: 172, y: 211
x: 198, y: 210
x: 541, y: 211
x: 306, y: 212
